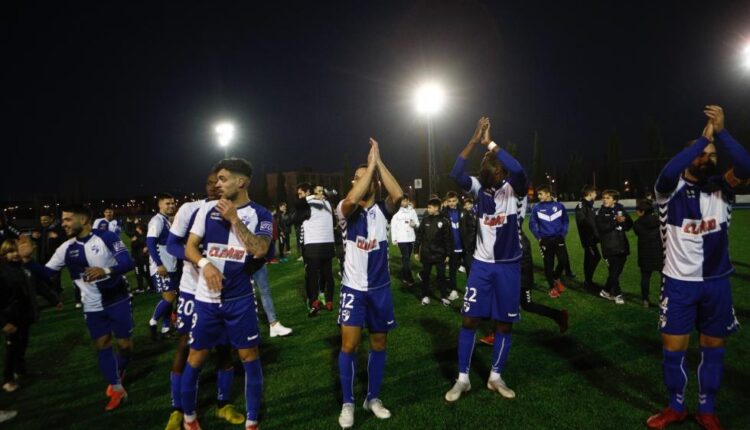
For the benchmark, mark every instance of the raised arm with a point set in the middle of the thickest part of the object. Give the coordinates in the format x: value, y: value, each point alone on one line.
x: 739, y: 155
x: 395, y: 193
x: 362, y: 184
x: 458, y: 173
x: 670, y: 174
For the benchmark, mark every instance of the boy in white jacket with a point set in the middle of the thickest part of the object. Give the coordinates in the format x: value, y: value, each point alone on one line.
x: 403, y: 226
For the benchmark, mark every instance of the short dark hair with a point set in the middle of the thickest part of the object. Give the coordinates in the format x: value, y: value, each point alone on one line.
x: 451, y: 195
x: 235, y: 165
x: 305, y: 186
x: 588, y: 189
x: 468, y: 199
x: 612, y: 193
x: 405, y: 197
x: 645, y: 206
x: 544, y: 188
x: 163, y: 196
x: 434, y: 202
x: 78, y: 209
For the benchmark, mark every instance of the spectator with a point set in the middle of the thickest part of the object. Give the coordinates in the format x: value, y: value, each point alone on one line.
x: 586, y: 222
x: 650, y: 251
x: 48, y: 237
x: 467, y: 228
x: 403, y: 235
x: 453, y: 213
x: 612, y: 221
x: 434, y: 243
x: 549, y: 225
x: 140, y: 256
x: 284, y: 221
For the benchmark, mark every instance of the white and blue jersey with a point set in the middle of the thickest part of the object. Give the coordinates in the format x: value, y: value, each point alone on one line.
x: 104, y: 225
x: 102, y: 249
x: 225, y: 251
x: 178, y: 234
x: 365, y: 235
x: 156, y: 241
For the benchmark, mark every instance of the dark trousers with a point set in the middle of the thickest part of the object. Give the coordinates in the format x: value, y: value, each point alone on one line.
x: 553, y: 247
x: 616, y: 264
x: 456, y: 258
x: 15, y: 352
x: 563, y: 265
x: 645, y: 283
x: 527, y: 283
x: 440, y: 271
x: 591, y: 257
x: 319, y: 278
x: 142, y: 276
x: 406, y: 249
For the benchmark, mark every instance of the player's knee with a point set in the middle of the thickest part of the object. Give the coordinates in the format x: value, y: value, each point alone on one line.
x: 248, y: 355
x: 470, y: 323
x: 503, y: 327
x: 378, y: 342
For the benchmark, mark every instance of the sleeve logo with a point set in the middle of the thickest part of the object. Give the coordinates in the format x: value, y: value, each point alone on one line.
x: 266, y: 226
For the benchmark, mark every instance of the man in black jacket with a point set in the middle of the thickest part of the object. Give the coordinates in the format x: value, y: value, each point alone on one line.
x: 432, y: 247
x: 650, y: 248
x: 48, y: 237
x: 586, y: 222
x: 467, y: 228
x: 140, y: 256
x: 612, y: 221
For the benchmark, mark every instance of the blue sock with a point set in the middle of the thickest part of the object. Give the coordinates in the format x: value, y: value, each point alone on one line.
x: 253, y: 388
x: 122, y: 364
x: 161, y: 309
x: 465, y: 349
x: 375, y: 371
x: 189, y: 388
x: 108, y: 365
x: 175, y: 382
x: 346, y: 375
x: 224, y: 384
x: 709, y: 378
x: 500, y: 350
x: 675, y: 378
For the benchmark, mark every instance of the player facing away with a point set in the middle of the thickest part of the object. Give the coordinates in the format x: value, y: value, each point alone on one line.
x: 178, y: 234
x: 98, y: 261
x: 162, y: 264
x: 365, y: 288
x: 492, y: 288
x: 695, y: 204
x: 231, y: 232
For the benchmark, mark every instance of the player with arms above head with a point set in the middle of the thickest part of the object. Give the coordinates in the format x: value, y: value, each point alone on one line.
x: 365, y: 290
x: 162, y: 264
x: 695, y: 203
x: 492, y: 290
x: 178, y: 235
x: 226, y: 236
x: 98, y: 261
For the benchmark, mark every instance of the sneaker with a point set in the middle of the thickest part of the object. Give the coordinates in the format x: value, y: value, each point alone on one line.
x: 455, y: 392
x: 108, y: 391
x: 708, y: 421
x: 646, y: 304
x: 619, y: 300
x: 193, y: 425
x: 562, y: 321
x: 559, y: 286
x: 314, y: 309
x: 462, y: 269
x: 274, y: 261
x: 445, y: 302
x: 605, y: 295
x: 10, y: 387
x: 252, y: 426
x: 165, y: 330
x: 279, y: 330
x: 665, y: 418
x: 346, y: 417
x: 175, y: 421
x: 329, y: 306
x: 230, y: 414
x: 116, y: 399
x: 488, y: 340
x: 554, y: 293
x: 322, y: 298
x: 453, y: 295
x: 300, y: 259
x: 377, y: 408
x: 419, y: 276
x: 499, y: 386
x: 7, y: 415
x: 425, y: 301
x: 79, y: 306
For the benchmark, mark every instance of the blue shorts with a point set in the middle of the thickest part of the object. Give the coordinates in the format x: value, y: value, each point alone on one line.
x: 704, y: 305
x: 493, y: 291
x: 167, y: 283
x: 185, y: 310
x: 373, y: 308
x: 117, y: 318
x: 234, y: 322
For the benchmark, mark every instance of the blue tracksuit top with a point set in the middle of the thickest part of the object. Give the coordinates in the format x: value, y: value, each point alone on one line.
x: 548, y: 219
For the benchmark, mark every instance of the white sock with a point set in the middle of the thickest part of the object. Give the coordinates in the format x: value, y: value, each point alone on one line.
x: 118, y: 387
x: 494, y: 376
x: 152, y: 322
x: 463, y: 377
x: 189, y: 418
x: 250, y: 423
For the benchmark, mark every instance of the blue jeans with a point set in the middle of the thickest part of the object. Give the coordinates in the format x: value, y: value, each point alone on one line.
x: 260, y: 279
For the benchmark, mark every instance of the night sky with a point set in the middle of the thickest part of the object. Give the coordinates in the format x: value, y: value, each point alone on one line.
x: 113, y: 100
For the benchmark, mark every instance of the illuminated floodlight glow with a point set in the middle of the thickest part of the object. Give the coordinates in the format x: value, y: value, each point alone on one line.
x: 224, y: 133
x: 746, y: 56
x: 429, y: 98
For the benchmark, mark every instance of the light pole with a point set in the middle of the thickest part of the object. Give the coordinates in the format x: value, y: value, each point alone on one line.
x: 225, y: 133
x: 429, y: 100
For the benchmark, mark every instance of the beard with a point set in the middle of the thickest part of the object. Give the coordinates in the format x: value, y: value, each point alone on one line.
x: 487, y: 178
x: 703, y: 171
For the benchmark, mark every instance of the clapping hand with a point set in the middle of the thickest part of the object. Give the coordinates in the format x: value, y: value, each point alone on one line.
x: 715, y: 115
